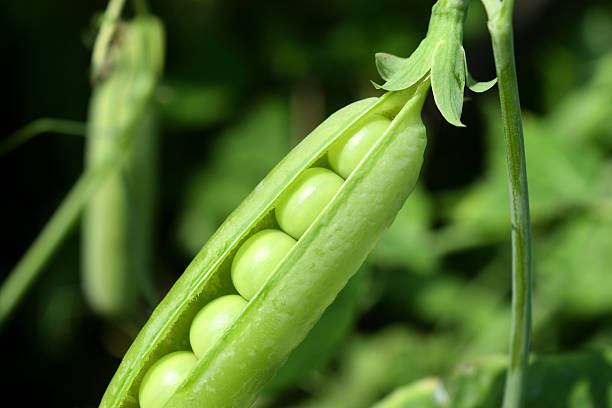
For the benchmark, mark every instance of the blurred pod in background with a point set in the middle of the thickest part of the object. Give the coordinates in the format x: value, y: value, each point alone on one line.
x: 118, y: 220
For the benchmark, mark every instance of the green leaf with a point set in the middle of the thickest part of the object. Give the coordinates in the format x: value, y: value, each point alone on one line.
x: 425, y: 393
x: 441, y: 53
x: 374, y: 365
x: 256, y: 144
x: 575, y: 267
x: 409, y: 242
x: 388, y: 64
x: 448, y: 80
x: 474, y: 85
x: 479, y: 87
x: 402, y: 73
x: 584, y: 113
x: 194, y: 105
x: 557, y: 181
x: 576, y: 380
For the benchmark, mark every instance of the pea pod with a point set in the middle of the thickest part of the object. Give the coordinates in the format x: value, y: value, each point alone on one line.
x: 118, y: 217
x: 305, y: 282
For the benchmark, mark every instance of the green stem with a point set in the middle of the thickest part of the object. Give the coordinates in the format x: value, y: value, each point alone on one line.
x: 500, y: 28
x: 104, y: 37
x: 43, y: 125
x: 32, y: 263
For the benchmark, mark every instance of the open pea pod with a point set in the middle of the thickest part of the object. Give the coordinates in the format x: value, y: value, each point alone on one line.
x: 280, y: 314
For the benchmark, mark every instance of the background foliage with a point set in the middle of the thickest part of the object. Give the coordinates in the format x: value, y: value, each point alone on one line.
x: 244, y: 82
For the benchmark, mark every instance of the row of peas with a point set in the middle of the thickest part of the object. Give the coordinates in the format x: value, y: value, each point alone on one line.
x: 259, y: 256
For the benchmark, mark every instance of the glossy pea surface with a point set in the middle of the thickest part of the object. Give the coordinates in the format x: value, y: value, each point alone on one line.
x: 212, y: 320
x: 305, y: 198
x: 257, y: 258
x: 291, y: 301
x: 164, y: 377
x: 347, y: 152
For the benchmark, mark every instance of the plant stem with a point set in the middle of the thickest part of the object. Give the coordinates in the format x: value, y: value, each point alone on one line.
x: 34, y: 260
x: 105, y: 36
x: 500, y: 28
x: 43, y: 125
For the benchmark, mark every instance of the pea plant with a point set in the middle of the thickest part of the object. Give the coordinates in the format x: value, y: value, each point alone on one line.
x: 115, y: 190
x: 118, y: 217
x: 293, y: 244
x: 289, y: 261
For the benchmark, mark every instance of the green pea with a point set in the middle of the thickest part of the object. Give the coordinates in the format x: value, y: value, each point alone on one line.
x: 346, y: 153
x: 164, y: 377
x: 212, y: 320
x: 305, y: 198
x: 280, y: 314
x: 257, y: 258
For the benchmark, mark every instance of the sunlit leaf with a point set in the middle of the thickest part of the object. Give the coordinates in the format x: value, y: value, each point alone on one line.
x: 426, y: 393
x: 402, y: 73
x: 408, y: 242
x: 448, y: 80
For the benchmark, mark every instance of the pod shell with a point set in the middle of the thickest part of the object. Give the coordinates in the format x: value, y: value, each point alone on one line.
x: 107, y: 278
x: 303, y: 285
x: 312, y: 275
x: 118, y: 218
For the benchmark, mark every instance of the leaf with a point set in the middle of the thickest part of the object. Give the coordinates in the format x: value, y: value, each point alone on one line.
x: 402, y: 73
x: 425, y: 393
x: 575, y: 267
x: 194, y: 105
x: 448, y: 80
x: 408, y: 242
x: 373, y: 365
x: 584, y: 113
x: 557, y: 181
x: 573, y: 380
x: 474, y: 85
x: 388, y: 64
x: 242, y: 156
x: 479, y: 87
